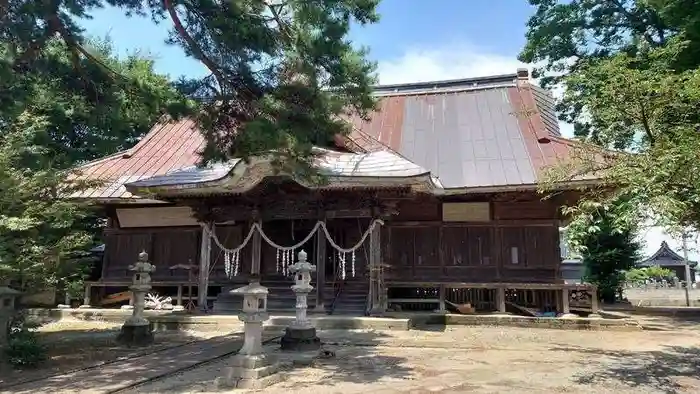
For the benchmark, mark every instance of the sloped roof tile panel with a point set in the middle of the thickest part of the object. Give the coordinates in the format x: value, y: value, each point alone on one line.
x: 169, y: 145
x: 189, y: 175
x: 546, y: 106
x: 468, y: 139
x: 381, y: 164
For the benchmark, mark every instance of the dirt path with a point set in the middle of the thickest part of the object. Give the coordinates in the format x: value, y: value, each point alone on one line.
x: 484, y: 360
x: 126, y: 373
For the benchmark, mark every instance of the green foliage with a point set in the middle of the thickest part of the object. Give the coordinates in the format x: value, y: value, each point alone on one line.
x: 641, y: 275
x: 282, y: 72
x: 607, y: 245
x: 75, y: 112
x: 75, y: 288
x: 564, y: 36
x: 632, y: 83
x: 57, y: 111
x: 23, y: 348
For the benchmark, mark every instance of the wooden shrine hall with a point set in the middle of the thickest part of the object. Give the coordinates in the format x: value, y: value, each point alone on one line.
x: 431, y: 204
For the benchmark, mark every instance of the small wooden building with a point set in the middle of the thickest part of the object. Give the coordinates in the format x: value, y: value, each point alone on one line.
x: 665, y: 257
x: 433, y: 200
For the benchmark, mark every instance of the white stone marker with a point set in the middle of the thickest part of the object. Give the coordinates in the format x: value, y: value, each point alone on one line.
x: 301, y: 335
x: 136, y: 330
x: 7, y: 310
x: 251, y: 368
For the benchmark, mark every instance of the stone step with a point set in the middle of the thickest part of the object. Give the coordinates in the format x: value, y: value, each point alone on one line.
x: 352, y: 296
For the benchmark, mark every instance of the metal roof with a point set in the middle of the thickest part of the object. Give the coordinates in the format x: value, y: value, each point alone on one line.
x: 470, y: 133
x: 495, y: 131
x: 373, y: 168
x: 169, y: 145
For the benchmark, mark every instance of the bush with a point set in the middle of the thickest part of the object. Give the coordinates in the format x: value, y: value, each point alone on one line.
x: 655, y: 273
x: 606, y: 241
x: 23, y: 347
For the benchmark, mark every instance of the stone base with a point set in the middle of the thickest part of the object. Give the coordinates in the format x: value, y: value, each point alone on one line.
x: 319, y: 309
x: 377, y: 312
x: 179, y: 308
x: 594, y: 316
x: 300, y: 339
x: 568, y: 316
x: 136, y: 335
x: 250, y: 372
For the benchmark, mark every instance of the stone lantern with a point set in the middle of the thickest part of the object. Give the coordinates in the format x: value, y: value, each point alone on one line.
x: 253, y: 315
x: 301, y: 335
x: 137, y: 329
x: 251, y: 368
x: 7, y: 310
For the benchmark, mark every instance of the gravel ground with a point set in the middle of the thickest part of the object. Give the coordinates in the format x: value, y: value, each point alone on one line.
x: 486, y: 360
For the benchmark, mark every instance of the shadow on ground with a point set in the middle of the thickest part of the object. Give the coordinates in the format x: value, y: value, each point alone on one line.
x: 659, y: 370
x: 667, y: 323
x: 357, y: 359
x: 75, y: 354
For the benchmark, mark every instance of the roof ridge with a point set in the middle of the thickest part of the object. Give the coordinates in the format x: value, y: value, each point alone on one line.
x: 439, y: 90
x: 101, y: 159
x: 500, y: 78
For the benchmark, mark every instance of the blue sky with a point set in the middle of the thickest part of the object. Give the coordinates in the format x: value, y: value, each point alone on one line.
x: 416, y: 40
x: 408, y: 28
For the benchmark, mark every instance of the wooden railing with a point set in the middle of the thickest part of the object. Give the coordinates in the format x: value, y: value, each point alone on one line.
x: 494, y: 296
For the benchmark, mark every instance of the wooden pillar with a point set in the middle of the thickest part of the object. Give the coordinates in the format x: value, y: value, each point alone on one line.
x: 594, y: 302
x: 204, y: 263
x: 179, y: 295
x: 442, y: 295
x: 86, y: 297
x: 257, y: 252
x: 565, y: 301
x: 501, y: 299
x: 320, y: 261
x: 376, y: 281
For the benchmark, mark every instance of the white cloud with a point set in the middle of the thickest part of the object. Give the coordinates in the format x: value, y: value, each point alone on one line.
x: 422, y: 65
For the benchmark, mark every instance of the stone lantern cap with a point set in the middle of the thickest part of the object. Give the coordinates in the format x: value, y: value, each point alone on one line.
x: 7, y: 299
x: 251, y: 289
x: 302, y: 265
x: 7, y: 291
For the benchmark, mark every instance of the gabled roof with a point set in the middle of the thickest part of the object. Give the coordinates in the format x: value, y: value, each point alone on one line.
x: 473, y: 134
x: 665, y: 256
x: 343, y: 170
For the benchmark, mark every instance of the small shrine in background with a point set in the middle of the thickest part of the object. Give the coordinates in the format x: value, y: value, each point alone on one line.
x: 665, y: 257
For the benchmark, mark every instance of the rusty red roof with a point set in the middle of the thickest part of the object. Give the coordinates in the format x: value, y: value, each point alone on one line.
x: 470, y: 133
x: 168, y: 146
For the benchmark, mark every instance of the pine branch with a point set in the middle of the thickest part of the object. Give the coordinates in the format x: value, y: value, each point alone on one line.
x: 193, y: 46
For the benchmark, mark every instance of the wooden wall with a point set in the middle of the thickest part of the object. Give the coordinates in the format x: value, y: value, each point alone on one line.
x: 515, y: 241
x: 166, y: 247
x: 518, y: 241
x: 179, y: 245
